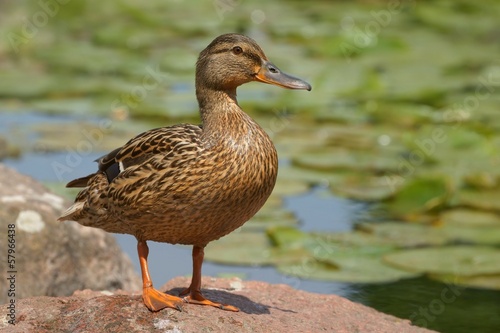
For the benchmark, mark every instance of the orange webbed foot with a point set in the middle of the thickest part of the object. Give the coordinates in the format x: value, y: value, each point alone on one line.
x: 156, y: 300
x: 195, y: 297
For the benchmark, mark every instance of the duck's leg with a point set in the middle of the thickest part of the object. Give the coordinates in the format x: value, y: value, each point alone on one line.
x: 153, y: 299
x: 193, y: 293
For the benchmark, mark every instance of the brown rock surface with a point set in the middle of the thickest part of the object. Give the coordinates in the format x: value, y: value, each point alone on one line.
x: 54, y: 258
x: 264, y: 308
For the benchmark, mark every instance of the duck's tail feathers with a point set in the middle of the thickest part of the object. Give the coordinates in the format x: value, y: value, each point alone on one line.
x: 69, y: 213
x: 80, y: 182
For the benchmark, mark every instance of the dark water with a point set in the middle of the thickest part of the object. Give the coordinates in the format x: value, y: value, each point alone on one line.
x: 438, y: 306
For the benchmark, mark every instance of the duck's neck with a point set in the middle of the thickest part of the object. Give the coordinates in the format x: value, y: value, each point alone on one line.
x: 219, y: 110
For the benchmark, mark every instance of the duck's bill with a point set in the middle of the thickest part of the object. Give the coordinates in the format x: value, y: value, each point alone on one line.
x: 271, y: 74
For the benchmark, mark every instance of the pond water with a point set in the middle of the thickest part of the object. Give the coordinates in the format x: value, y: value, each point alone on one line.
x: 435, y: 305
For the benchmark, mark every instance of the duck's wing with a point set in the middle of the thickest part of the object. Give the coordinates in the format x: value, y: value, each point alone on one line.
x: 168, y: 141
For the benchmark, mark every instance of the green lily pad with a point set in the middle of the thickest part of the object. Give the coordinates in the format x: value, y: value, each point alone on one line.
x: 266, y: 218
x: 364, y: 187
x: 354, y: 239
x: 345, y: 159
x: 240, y: 248
x: 419, y: 196
x: 86, y: 57
x: 352, y: 269
x: 289, y: 186
x: 251, y: 249
x: 339, y: 257
x: 486, y: 199
x: 98, y: 138
x: 326, y: 161
x: 470, y: 217
x: 477, y: 281
x: 405, y: 234
x: 482, y: 180
x: 312, y: 177
x: 457, y: 260
x: 15, y: 84
x: 287, y: 237
x: 488, y: 235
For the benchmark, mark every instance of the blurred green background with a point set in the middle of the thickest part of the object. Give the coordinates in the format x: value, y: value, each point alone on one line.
x: 389, y: 177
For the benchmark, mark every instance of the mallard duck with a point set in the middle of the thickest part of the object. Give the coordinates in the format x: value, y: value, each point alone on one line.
x: 190, y: 184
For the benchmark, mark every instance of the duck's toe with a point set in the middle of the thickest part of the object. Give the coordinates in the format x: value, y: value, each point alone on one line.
x: 156, y: 300
x: 195, y: 297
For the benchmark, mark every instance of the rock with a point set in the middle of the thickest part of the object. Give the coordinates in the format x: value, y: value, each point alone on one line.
x: 264, y: 308
x: 54, y: 258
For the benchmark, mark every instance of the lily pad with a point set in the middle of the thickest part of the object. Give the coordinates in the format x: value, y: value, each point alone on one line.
x: 336, y: 257
x: 406, y: 234
x: 287, y: 237
x: 240, y: 248
x: 477, y: 281
x: 289, y: 187
x: 251, y: 249
x: 457, y: 260
x: 345, y: 159
x: 312, y: 177
x: 483, y: 180
x: 15, y: 84
x: 327, y: 160
x: 488, y: 235
x: 354, y: 239
x: 352, y: 269
x: 419, y: 196
x: 267, y: 218
x: 486, y: 199
x: 364, y: 187
x: 470, y: 217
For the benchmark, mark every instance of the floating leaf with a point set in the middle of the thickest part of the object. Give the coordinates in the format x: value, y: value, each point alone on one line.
x: 250, y: 248
x: 457, y: 260
x: 308, y: 176
x: 486, y: 199
x: 354, y: 269
x: 270, y: 217
x: 364, y: 187
x: 477, y: 281
x: 482, y: 180
x: 405, y: 234
x: 488, y: 235
x: 289, y: 187
x: 327, y: 160
x: 240, y: 248
x: 354, y: 238
x: 419, y: 196
x: 469, y: 217
x: 287, y: 237
x: 343, y: 257
x: 345, y: 159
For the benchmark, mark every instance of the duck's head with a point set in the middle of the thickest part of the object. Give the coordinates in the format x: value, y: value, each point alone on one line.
x: 231, y: 60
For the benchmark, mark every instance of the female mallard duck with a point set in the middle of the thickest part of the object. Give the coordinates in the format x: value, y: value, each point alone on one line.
x: 188, y: 184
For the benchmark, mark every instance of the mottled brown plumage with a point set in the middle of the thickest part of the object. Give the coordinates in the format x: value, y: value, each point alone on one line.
x: 188, y: 184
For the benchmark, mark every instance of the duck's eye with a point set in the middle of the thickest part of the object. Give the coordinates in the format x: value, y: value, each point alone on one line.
x: 237, y: 50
